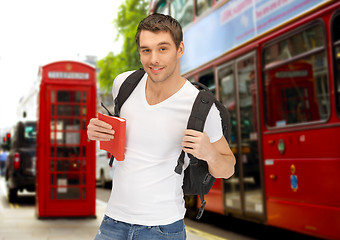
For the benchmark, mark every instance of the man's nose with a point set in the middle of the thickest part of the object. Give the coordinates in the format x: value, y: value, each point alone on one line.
x: 154, y: 58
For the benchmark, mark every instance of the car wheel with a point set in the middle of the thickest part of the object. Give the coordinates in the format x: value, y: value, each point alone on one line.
x: 102, y: 179
x: 12, y: 194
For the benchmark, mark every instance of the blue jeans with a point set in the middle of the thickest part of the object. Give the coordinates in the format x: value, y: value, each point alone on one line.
x: 111, y: 229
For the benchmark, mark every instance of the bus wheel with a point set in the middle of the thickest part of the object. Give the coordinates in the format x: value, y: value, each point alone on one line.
x: 191, y: 206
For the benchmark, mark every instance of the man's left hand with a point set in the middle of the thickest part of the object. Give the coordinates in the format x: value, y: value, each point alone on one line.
x: 197, y: 143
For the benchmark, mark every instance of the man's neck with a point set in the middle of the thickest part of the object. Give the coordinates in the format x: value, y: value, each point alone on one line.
x: 157, y: 92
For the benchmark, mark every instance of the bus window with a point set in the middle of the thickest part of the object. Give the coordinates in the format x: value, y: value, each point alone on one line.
x: 162, y: 7
x: 336, y: 40
x: 207, y: 78
x: 297, y: 44
x: 202, y: 6
x: 182, y: 11
x: 296, y: 81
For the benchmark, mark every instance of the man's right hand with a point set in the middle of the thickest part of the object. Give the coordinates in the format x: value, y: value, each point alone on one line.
x: 99, y: 130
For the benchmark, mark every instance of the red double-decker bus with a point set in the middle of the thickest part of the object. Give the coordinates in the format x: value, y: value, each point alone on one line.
x: 275, y: 65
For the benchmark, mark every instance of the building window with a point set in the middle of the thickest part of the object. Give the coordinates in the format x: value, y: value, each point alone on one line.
x: 162, y: 7
x: 182, y: 11
x: 202, y: 6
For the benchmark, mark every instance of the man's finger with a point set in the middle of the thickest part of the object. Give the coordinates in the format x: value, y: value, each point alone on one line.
x: 100, y: 123
x: 191, y: 132
x: 101, y: 135
x: 188, y: 138
x: 189, y: 145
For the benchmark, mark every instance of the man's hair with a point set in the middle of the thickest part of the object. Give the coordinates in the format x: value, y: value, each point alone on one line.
x: 158, y: 22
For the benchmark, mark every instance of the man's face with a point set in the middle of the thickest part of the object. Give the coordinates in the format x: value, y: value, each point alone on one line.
x: 159, y: 55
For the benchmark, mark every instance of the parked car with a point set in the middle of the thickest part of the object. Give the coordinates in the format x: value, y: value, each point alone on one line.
x: 20, y: 162
x: 104, y: 173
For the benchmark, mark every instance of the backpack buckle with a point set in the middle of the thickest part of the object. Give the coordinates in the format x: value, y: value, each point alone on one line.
x: 201, y: 210
x: 206, y: 178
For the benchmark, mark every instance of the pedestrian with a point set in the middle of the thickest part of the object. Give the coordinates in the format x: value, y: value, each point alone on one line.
x: 147, y: 199
x: 3, y: 157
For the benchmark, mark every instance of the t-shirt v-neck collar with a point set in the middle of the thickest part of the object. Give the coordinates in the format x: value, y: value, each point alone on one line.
x: 164, y: 102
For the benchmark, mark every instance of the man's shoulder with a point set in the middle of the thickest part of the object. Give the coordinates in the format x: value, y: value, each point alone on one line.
x: 191, y: 88
x: 125, y: 74
x: 122, y: 76
x: 118, y: 81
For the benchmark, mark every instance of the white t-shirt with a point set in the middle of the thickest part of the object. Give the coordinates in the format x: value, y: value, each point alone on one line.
x: 146, y: 189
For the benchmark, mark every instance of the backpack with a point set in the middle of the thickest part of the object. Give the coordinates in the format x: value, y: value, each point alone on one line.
x: 197, y: 179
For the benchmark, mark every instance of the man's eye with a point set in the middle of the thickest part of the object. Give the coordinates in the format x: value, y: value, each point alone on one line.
x: 145, y: 50
x: 163, y: 49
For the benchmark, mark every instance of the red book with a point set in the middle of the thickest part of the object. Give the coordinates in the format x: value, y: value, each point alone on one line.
x: 115, y: 146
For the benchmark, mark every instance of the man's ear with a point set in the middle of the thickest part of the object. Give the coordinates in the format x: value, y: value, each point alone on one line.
x: 180, y: 50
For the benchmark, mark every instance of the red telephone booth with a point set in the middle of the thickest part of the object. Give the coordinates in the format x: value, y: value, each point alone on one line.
x: 65, y: 181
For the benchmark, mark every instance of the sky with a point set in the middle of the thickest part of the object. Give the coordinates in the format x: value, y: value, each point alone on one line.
x: 36, y: 32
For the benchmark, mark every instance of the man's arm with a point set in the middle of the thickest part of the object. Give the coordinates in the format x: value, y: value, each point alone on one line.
x: 99, y: 130
x: 220, y: 158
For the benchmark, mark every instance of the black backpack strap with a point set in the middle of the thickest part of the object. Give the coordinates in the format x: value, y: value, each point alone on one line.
x: 124, y: 92
x: 199, y: 113
x: 198, y: 116
x: 225, y: 121
x: 126, y: 89
x: 196, y: 121
x: 224, y: 114
x: 197, y: 179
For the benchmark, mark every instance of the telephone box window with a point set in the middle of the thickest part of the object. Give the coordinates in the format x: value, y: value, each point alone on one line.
x: 68, y: 96
x: 84, y: 97
x: 84, y: 193
x: 52, y: 193
x: 52, y: 96
x: 52, y: 152
x: 68, y: 110
x: 52, y: 165
x: 64, y: 193
x: 52, y: 179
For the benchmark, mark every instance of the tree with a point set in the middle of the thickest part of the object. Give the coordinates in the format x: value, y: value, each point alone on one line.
x: 129, y: 15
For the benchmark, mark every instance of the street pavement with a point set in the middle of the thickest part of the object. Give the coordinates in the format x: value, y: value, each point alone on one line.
x: 18, y: 221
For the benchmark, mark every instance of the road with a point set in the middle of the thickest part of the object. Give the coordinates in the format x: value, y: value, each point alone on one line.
x: 211, y: 226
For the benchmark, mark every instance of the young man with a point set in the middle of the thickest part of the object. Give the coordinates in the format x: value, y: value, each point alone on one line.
x: 146, y: 201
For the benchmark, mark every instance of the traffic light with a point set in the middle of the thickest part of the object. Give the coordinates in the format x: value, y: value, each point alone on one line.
x: 6, y: 142
x: 8, y: 138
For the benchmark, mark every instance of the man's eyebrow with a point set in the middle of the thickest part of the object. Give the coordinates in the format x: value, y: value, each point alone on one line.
x: 163, y: 43
x: 159, y: 44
